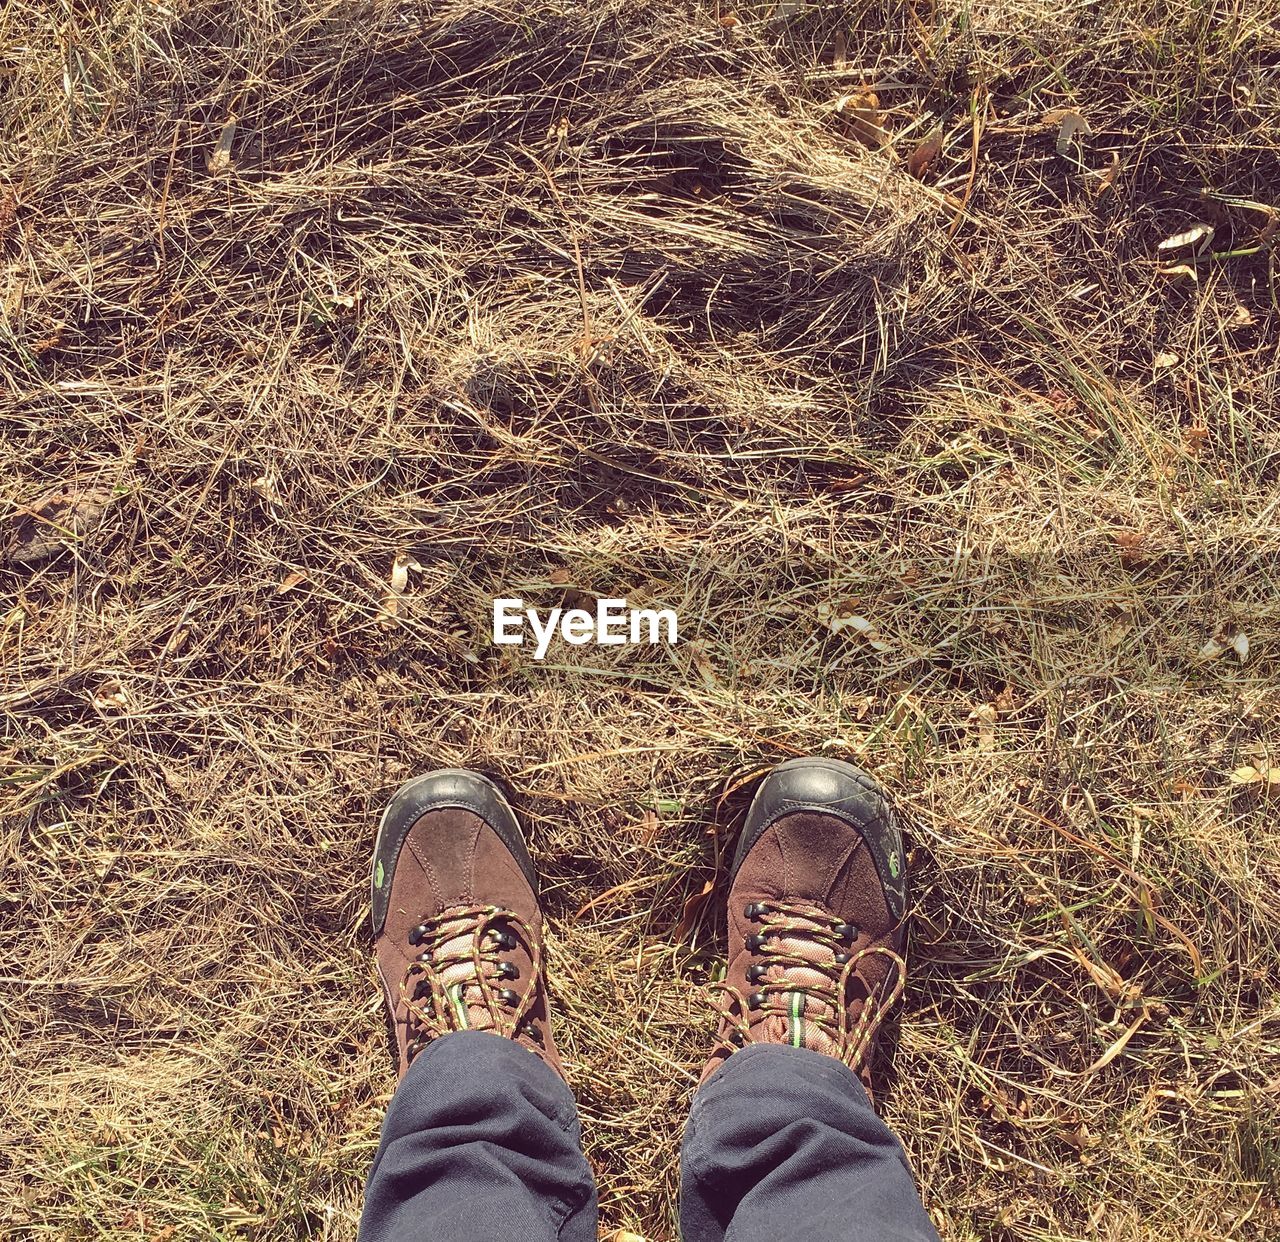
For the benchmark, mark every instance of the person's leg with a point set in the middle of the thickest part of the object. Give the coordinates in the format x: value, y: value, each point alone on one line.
x: 481, y: 1140
x: 783, y: 1142
x: 782, y: 1138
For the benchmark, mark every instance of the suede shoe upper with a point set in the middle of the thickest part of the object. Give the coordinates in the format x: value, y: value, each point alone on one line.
x: 457, y: 924
x: 816, y: 908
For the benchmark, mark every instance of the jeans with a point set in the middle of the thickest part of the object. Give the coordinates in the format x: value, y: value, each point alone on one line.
x: 481, y: 1143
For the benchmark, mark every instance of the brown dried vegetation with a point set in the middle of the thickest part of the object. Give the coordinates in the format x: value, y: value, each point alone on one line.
x: 501, y: 299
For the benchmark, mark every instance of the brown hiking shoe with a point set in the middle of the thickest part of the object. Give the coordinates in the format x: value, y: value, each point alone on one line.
x: 456, y: 922
x: 817, y: 901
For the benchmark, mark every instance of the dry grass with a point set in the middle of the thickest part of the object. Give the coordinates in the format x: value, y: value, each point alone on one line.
x: 610, y: 293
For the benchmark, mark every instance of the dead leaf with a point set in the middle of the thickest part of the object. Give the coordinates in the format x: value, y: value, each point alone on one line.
x: 220, y: 157
x: 1195, y: 438
x: 399, y: 581
x: 860, y: 114
x: 729, y: 21
x: 290, y: 581
x: 838, y: 58
x: 1179, y: 269
x: 986, y: 715
x: 1107, y: 180
x: 1133, y: 547
x: 624, y: 1235
x: 1164, y: 360
x: 1120, y: 626
x: 51, y: 342
x: 110, y: 696
x: 843, y: 617
x: 921, y: 159
x: 692, y: 906
x: 266, y: 485
x: 1198, y: 235
x: 54, y: 522
x: 1225, y: 638
x: 1079, y: 1137
x: 647, y: 829
x: 1266, y: 780
x: 1071, y: 127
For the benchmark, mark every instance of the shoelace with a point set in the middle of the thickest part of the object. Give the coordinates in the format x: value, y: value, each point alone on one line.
x: 456, y: 982
x: 805, y: 977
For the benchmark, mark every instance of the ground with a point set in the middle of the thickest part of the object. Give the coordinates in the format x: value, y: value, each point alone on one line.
x: 922, y: 356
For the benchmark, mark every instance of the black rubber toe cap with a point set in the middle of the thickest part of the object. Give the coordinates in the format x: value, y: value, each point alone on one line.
x: 446, y: 788
x: 832, y: 787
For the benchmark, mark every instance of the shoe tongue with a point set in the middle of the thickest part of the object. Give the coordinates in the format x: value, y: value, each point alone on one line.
x: 808, y: 1014
x: 821, y: 959
x: 801, y: 1020
x: 459, y: 979
x: 803, y: 1015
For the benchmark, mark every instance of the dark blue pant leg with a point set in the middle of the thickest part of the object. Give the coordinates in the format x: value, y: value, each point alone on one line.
x: 783, y: 1143
x: 481, y: 1143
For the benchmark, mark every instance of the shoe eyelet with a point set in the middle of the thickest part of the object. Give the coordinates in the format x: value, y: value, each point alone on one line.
x: 753, y: 910
x: 506, y: 940
x: 755, y: 1000
x: 508, y: 970
x: 754, y: 944
x: 508, y: 997
x: 756, y: 973
x: 736, y: 1037
x: 416, y: 934
x: 847, y: 932
x: 842, y: 959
